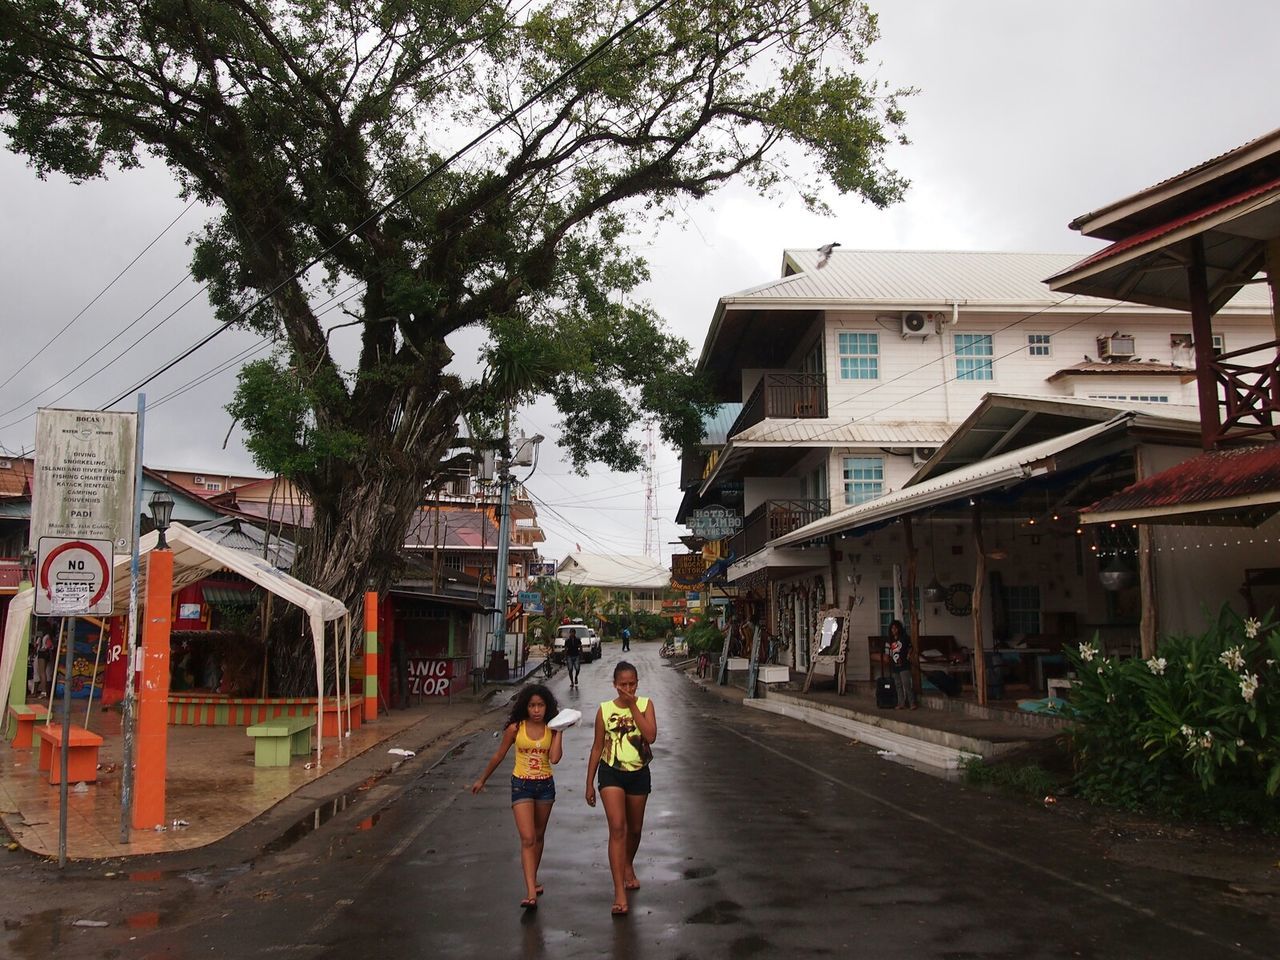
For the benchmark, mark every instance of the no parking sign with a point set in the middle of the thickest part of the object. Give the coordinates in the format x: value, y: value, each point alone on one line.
x: 74, y: 577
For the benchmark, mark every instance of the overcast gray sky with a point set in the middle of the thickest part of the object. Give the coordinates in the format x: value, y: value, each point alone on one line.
x: 1029, y: 114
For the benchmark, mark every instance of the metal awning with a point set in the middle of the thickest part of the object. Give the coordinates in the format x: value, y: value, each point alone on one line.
x: 992, y: 474
x: 1237, y: 487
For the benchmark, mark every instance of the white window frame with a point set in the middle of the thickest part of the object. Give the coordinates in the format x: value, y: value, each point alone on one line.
x: 1132, y: 397
x: 977, y: 367
x: 864, y: 363
x: 1039, y: 345
x: 860, y: 489
x: 1021, y: 603
x: 213, y: 486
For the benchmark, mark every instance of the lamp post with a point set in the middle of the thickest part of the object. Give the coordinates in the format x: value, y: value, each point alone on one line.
x: 525, y: 452
x: 153, y: 708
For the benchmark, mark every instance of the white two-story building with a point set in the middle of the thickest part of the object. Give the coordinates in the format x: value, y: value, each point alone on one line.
x: 851, y: 374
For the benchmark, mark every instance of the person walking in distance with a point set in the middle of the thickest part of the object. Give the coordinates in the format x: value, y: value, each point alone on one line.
x: 620, y: 754
x: 899, y: 650
x: 45, y: 644
x: 533, y: 788
x: 626, y: 639
x: 573, y: 655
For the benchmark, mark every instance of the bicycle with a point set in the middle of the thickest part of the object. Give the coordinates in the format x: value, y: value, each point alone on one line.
x: 548, y: 668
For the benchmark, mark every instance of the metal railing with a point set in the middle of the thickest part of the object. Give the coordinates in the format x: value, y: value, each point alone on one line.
x: 773, y: 519
x: 796, y: 396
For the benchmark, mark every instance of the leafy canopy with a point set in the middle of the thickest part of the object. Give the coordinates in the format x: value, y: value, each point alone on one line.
x: 299, y: 121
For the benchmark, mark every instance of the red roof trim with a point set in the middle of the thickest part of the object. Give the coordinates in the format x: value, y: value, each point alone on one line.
x: 1218, y: 475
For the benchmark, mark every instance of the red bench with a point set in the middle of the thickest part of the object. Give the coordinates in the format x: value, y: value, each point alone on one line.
x: 82, y: 758
x: 26, y: 715
x: 354, y: 716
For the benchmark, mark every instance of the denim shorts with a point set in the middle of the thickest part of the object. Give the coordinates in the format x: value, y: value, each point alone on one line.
x: 539, y: 791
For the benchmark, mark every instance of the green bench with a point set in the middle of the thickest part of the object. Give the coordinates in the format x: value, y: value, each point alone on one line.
x: 275, y: 741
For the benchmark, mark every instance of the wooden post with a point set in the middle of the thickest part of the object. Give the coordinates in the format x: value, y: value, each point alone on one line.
x: 911, y: 599
x: 1273, y: 281
x: 153, y: 695
x: 1202, y: 338
x: 1146, y: 580
x: 370, y: 656
x: 979, y: 576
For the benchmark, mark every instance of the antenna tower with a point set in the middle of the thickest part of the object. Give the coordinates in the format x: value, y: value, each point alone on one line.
x: 651, y: 549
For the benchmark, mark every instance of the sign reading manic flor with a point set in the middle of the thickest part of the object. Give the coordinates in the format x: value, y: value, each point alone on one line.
x: 83, y: 484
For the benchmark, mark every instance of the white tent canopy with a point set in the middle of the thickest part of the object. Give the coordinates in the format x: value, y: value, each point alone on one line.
x: 194, y: 558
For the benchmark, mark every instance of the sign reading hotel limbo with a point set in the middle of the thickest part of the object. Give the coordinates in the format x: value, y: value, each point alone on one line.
x: 714, y: 523
x: 83, y: 484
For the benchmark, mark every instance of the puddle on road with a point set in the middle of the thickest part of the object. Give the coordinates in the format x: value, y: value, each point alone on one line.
x: 313, y: 821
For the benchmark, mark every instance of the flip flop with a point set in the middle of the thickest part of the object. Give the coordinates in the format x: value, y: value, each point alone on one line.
x: 620, y: 910
x: 539, y: 889
x: 631, y: 885
x: 529, y: 903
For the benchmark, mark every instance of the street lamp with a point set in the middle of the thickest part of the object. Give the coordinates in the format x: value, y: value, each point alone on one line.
x: 161, y: 504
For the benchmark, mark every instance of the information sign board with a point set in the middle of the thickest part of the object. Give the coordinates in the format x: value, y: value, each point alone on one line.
x: 714, y: 522
x: 84, y: 473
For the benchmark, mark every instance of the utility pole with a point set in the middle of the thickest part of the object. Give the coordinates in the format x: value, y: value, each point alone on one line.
x: 525, y: 447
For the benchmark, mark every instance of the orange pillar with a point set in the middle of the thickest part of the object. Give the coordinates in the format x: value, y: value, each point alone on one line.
x: 370, y: 656
x: 153, y: 696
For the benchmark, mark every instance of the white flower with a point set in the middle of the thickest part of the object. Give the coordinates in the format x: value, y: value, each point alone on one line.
x: 1271, y: 663
x: 1099, y: 669
x: 1239, y: 742
x: 1248, y: 686
x: 1206, y: 742
x: 1088, y: 651
x: 1208, y: 735
x: 1111, y: 698
x: 1156, y: 665
x: 1232, y: 657
x: 1186, y: 731
x: 1251, y: 627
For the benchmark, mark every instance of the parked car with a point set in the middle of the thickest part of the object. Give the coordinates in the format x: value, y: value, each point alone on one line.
x: 590, y: 642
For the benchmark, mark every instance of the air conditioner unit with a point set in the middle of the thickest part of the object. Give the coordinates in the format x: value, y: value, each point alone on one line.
x: 916, y: 324
x: 920, y: 454
x: 6, y: 464
x: 199, y: 480
x: 1115, y: 347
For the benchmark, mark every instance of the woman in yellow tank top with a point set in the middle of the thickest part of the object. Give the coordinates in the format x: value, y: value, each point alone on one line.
x: 533, y: 789
x: 620, y: 755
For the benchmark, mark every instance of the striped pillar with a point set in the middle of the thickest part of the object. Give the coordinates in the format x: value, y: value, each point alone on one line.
x: 153, y: 695
x: 370, y: 656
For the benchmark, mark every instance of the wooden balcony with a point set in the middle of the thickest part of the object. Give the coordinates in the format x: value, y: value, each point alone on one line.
x: 773, y: 519
x: 1248, y: 393
x: 793, y: 396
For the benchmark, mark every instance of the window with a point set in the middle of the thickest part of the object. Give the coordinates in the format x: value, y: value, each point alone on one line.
x: 1219, y: 344
x: 813, y: 485
x: 213, y: 486
x: 452, y: 561
x: 1022, y: 605
x: 859, y: 356
x: 1133, y: 397
x: 863, y: 479
x: 1039, y: 345
x: 886, y: 610
x: 973, y: 356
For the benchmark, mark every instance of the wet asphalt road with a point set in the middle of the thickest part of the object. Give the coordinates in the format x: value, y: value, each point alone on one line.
x: 764, y: 838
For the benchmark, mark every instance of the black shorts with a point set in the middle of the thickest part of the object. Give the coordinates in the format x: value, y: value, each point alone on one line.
x: 634, y: 783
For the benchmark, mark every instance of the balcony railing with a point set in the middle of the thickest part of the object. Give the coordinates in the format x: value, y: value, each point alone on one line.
x: 799, y: 396
x: 1249, y: 393
x: 773, y: 519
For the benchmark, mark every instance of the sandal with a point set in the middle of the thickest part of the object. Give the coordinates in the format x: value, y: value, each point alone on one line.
x: 539, y: 889
x: 620, y: 910
x: 529, y: 903
x: 631, y: 885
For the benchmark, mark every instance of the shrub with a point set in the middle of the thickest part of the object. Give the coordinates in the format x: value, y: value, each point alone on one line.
x: 1024, y: 779
x: 704, y: 635
x: 1195, y: 729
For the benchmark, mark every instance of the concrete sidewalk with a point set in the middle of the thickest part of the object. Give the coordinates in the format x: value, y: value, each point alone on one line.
x: 941, y: 734
x: 213, y: 789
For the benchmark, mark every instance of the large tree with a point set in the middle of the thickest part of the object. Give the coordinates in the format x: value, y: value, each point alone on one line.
x: 323, y: 132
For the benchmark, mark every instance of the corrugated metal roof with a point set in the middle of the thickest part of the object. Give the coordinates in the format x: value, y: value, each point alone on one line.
x: 824, y: 433
x: 240, y: 535
x: 715, y: 426
x: 607, y: 570
x: 1220, y: 475
x: 982, y: 476
x: 1095, y: 368
x: 929, y: 279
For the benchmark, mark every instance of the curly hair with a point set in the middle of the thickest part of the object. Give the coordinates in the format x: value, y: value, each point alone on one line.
x: 520, y: 706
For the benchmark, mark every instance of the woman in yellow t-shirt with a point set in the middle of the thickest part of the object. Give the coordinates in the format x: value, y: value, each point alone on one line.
x: 620, y: 755
x: 533, y: 789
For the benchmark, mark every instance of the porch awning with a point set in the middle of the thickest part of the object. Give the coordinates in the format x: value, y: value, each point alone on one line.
x: 1239, y: 487
x: 992, y: 474
x: 1150, y: 265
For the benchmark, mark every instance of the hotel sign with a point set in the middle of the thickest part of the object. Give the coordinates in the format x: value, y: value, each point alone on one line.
x: 714, y: 523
